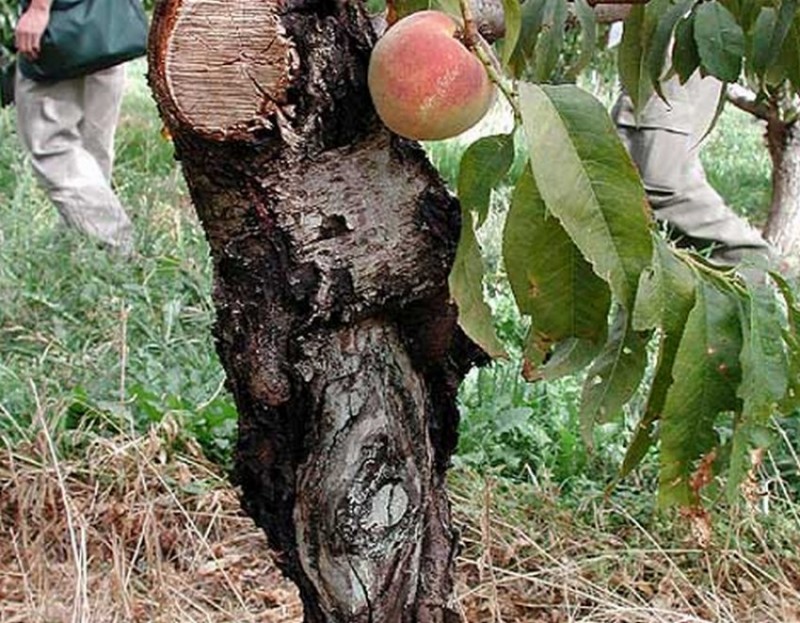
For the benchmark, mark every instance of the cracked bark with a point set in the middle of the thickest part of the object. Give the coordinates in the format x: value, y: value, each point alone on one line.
x: 331, y: 241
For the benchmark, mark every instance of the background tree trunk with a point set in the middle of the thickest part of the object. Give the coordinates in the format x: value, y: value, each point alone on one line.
x: 332, y: 241
x: 783, y: 224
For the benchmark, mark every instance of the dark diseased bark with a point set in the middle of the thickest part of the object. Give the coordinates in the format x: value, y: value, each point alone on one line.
x: 332, y: 241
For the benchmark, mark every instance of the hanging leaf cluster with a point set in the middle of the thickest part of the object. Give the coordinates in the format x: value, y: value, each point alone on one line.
x: 756, y: 42
x: 579, y: 248
x: 599, y: 285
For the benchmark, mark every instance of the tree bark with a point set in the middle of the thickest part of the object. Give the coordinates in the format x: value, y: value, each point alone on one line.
x: 783, y: 224
x: 332, y: 241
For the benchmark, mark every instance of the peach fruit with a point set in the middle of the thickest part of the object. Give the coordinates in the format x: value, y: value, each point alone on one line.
x: 424, y: 82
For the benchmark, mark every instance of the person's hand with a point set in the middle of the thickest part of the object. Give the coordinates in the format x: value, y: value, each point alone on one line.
x: 30, y: 28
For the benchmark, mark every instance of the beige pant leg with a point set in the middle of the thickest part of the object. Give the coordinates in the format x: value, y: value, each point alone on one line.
x: 67, y: 127
x: 102, y: 102
x: 679, y: 193
x: 666, y: 150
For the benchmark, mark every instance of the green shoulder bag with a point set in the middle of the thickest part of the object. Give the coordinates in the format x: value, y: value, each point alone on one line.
x: 84, y: 36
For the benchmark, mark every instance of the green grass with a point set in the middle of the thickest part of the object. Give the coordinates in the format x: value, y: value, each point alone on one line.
x: 89, y: 337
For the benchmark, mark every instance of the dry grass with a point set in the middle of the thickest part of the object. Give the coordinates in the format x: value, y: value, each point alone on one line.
x: 541, y: 564
x: 133, y: 531
x: 144, y: 529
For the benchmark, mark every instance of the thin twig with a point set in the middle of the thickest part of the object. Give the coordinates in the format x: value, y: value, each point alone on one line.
x: 484, y: 53
x: 478, y: 46
x: 123, y: 365
x: 471, y: 35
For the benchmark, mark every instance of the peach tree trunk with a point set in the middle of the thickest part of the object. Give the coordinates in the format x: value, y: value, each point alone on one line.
x: 332, y: 241
x: 783, y: 224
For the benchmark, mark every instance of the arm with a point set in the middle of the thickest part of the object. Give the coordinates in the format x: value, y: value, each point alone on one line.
x: 31, y: 26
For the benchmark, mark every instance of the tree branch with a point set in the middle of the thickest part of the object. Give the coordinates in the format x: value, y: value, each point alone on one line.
x: 744, y: 99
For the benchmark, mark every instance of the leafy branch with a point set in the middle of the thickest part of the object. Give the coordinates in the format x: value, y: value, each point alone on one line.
x: 599, y: 287
x: 579, y: 242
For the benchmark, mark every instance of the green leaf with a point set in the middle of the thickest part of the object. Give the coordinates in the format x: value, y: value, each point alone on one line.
x: 550, y: 41
x: 791, y: 337
x: 763, y: 30
x: 665, y: 298
x: 631, y: 59
x: 790, y: 54
x: 532, y: 13
x: 792, y: 306
x: 764, y: 375
x: 745, y: 11
x: 662, y: 36
x: 512, y: 11
x: 588, y: 182
x: 634, y: 49
x: 550, y: 279
x: 570, y: 356
x: 786, y: 14
x: 466, y: 288
x: 685, y: 57
x: 721, y: 99
x: 588, y: 21
x: 791, y: 402
x: 482, y: 168
x: 769, y: 35
x: 720, y: 41
x: 734, y: 6
x: 763, y: 358
x: 706, y: 374
x: 614, y: 375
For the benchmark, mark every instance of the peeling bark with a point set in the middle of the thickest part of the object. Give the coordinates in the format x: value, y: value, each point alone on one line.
x: 332, y: 241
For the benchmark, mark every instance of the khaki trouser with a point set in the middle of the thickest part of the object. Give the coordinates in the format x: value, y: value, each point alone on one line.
x: 665, y: 145
x: 68, y: 129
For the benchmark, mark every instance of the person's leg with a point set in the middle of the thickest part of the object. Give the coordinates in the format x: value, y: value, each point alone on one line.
x: 701, y: 213
x: 102, y: 102
x: 48, y: 119
x: 679, y: 194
